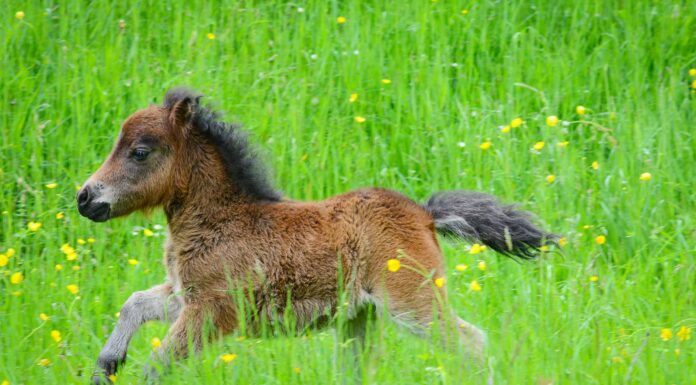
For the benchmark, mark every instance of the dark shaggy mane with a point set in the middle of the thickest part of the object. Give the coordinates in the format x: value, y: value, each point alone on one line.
x: 242, y: 162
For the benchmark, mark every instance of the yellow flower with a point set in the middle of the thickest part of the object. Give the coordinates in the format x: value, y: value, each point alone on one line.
x: 90, y: 240
x: 461, y: 267
x: 666, y: 334
x: 16, y: 293
x: 71, y: 257
x: 539, y: 145
x: 3, y: 260
x: 44, y: 362
x: 156, y: 343
x: 552, y: 120
x: 67, y: 249
x: 601, y: 239
x: 59, y: 267
x: 133, y: 262
x: 148, y: 233
x: 16, y: 278
x: 595, y: 165
x: 113, y: 378
x: 550, y: 178
x: 359, y: 119
x: 34, y: 226
x: 475, y: 286
x: 5, y: 382
x: 476, y: 248
x: 386, y: 81
x: 693, y: 84
x: 51, y: 186
x: 73, y: 289
x: 340, y: 19
x: 684, y: 333
x: 44, y: 317
x: 692, y: 72
x: 10, y: 252
x: 393, y: 265
x: 646, y: 176
x: 516, y: 122
x: 76, y: 267
x: 440, y: 282
x: 60, y: 215
x: 210, y: 36
x: 581, y: 110
x: 81, y: 241
x: 485, y: 145
x: 482, y: 265
x: 562, y: 242
x: 505, y: 129
x: 353, y: 98
x: 594, y: 278
x: 19, y: 15
x: 563, y: 144
x: 296, y: 370
x: 227, y: 358
x: 465, y: 11
x: 55, y: 334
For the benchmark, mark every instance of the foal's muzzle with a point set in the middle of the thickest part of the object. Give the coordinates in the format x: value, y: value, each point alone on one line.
x: 86, y: 205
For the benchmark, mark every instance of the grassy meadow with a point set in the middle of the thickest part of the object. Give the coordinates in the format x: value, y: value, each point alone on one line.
x: 416, y: 96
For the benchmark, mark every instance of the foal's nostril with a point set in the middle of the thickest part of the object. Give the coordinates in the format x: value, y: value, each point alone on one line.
x: 83, y: 197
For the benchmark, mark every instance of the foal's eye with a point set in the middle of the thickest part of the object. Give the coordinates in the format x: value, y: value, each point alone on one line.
x: 140, y: 154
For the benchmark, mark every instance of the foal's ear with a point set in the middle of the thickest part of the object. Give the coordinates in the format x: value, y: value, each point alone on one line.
x: 181, y: 105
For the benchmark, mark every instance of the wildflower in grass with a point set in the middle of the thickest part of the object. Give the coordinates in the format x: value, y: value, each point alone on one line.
x: 692, y: 72
x: 476, y: 248
x: 19, y: 15
x: 55, y: 335
x: 72, y: 256
x: 78, y: 187
x: 155, y: 343
x: 393, y: 265
x: 482, y: 265
x: 539, y: 145
x: 117, y: 314
x: 60, y: 215
x: 581, y: 110
x: 646, y: 176
x: 148, y: 233
x: 91, y: 240
x: 475, y: 286
x: 16, y: 293
x: 44, y: 317
x: 67, y: 249
x: 133, y: 262
x: 505, y: 129
x: 360, y: 119
x: 595, y: 165
x: 465, y: 11
x: 600, y: 239
x: 73, y: 289
x: 3, y: 260
x: 552, y: 120
x: 16, y: 278
x: 34, y: 226
x: 684, y: 333
x: 300, y: 9
x: 550, y: 178
x: 340, y: 19
x: 10, y: 252
x: 227, y: 358
x: 563, y: 144
x: 514, y: 123
x: 5, y: 382
x: 296, y: 370
x: 386, y: 81
x: 44, y: 362
x: 113, y: 378
x: 353, y: 98
x: 562, y: 241
x: 81, y: 241
x: 210, y: 36
x: 461, y: 267
x: 666, y: 334
x: 51, y: 186
x: 76, y: 267
x: 594, y: 278
x: 440, y: 282
x: 693, y: 84
x: 59, y: 267
x: 485, y: 145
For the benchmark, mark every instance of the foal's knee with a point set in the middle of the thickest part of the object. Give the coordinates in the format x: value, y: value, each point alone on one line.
x: 131, y: 308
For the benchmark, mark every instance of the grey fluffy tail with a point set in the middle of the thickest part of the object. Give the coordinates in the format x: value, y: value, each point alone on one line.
x: 479, y: 217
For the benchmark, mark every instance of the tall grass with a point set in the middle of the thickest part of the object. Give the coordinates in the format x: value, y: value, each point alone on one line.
x: 71, y: 72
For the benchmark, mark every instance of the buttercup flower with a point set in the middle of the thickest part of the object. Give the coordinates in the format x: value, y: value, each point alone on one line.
x: 3, y: 260
x: 156, y: 343
x: 34, y: 226
x: 505, y: 129
x: 562, y: 242
x: 393, y: 265
x: 16, y: 278
x: 475, y: 286
x: 353, y: 98
x: 476, y: 248
x: 552, y: 120
x: 563, y: 144
x: 73, y: 289
x: 581, y: 110
x: 44, y: 362
x: 227, y: 358
x: 386, y: 81
x: 539, y: 145
x: 44, y: 317
x: 148, y: 233
x: 51, y: 186
x: 684, y: 333
x: 666, y: 334
x: 600, y: 239
x: 550, y: 178
x: 59, y: 267
x: 461, y: 267
x: 60, y: 215
x: 482, y: 265
x: 133, y: 262
x: 210, y: 36
x: 55, y: 335
x: 360, y: 119
x: 340, y: 20
x: 485, y: 145
x: 646, y: 176
x: 594, y: 278
x: 19, y: 15
x: 516, y: 122
x: 440, y: 282
x: 10, y: 252
x: 595, y: 165
x: 692, y: 72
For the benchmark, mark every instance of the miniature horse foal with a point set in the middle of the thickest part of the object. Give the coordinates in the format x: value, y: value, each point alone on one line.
x: 229, y: 227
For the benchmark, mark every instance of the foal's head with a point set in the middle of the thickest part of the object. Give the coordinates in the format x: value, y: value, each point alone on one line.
x: 154, y: 155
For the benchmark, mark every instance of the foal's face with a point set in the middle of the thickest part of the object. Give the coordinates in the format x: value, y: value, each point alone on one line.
x: 138, y: 172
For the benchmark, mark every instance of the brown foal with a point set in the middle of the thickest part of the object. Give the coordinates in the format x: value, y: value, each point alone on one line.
x: 229, y: 230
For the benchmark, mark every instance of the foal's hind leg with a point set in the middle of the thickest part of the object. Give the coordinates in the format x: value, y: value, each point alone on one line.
x: 156, y: 303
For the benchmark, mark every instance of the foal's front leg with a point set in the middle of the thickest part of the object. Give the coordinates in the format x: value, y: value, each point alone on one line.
x: 156, y: 303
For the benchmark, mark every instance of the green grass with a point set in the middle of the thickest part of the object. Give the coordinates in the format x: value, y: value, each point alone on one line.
x: 69, y: 76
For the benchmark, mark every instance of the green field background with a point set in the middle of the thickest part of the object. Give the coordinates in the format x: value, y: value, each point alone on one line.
x: 72, y: 71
